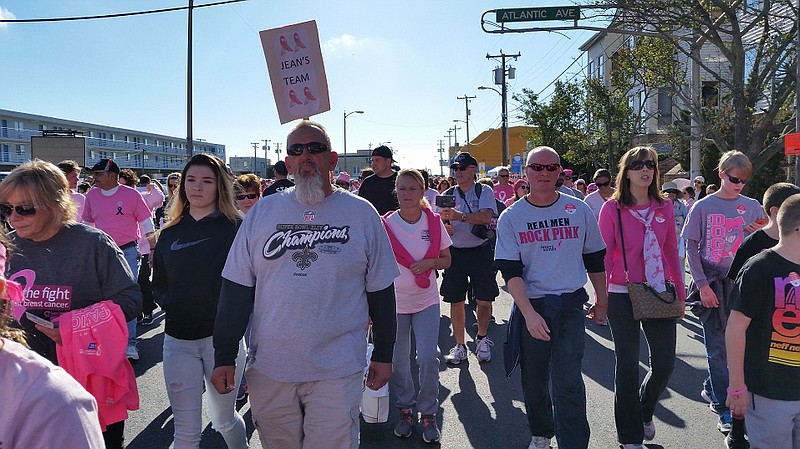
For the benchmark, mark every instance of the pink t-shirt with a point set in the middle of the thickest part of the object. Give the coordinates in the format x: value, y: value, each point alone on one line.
x: 80, y: 200
x: 503, y: 192
x: 118, y: 214
x: 416, y: 240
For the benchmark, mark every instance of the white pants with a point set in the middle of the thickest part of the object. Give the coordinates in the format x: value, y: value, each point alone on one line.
x: 187, y: 365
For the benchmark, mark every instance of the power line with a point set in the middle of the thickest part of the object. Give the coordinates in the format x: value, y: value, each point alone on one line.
x: 122, y: 14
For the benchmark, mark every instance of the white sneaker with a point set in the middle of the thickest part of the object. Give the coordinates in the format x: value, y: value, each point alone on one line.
x: 456, y: 355
x: 132, y: 353
x: 540, y: 443
x: 483, y: 349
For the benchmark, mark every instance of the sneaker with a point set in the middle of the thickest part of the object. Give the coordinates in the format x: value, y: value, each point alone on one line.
x: 456, y: 355
x: 430, y: 430
x: 649, y: 430
x: 483, y: 349
x: 631, y: 446
x: 540, y: 443
x: 405, y: 424
x: 132, y: 353
x: 736, y: 443
x: 706, y: 396
x: 147, y: 319
x: 725, y: 422
x: 241, y: 395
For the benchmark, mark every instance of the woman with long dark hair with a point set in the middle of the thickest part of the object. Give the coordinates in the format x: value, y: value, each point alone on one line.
x: 638, y: 211
x: 187, y: 266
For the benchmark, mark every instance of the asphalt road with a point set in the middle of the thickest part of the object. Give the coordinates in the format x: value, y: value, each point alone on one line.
x: 480, y: 407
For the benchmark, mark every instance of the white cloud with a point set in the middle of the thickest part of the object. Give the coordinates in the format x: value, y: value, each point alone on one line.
x: 349, y: 44
x: 5, y: 14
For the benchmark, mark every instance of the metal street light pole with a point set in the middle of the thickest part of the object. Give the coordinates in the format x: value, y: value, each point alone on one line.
x: 504, y: 150
x: 189, y: 137
x: 344, y: 125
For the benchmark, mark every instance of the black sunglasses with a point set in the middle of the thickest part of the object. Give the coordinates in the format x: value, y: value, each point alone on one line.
x: 540, y: 167
x: 602, y: 184
x: 312, y: 148
x: 249, y: 196
x: 23, y: 210
x: 732, y: 179
x: 172, y: 186
x: 463, y: 167
x: 638, y: 165
x: 503, y: 176
x: 523, y: 187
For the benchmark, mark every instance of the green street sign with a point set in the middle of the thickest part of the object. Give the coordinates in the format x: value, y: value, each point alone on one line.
x: 538, y: 14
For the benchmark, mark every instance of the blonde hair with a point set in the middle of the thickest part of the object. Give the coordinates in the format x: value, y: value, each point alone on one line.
x: 43, y: 186
x: 414, y: 174
x: 735, y: 160
x: 178, y: 206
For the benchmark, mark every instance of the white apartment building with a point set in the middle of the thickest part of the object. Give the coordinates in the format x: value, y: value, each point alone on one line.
x: 142, y: 151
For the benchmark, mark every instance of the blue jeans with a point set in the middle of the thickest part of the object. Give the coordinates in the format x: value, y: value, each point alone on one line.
x: 714, y: 337
x: 425, y: 325
x: 187, y: 365
x: 565, y: 414
x: 634, y: 403
x: 133, y: 257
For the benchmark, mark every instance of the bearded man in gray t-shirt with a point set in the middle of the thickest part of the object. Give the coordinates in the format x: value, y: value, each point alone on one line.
x: 313, y: 265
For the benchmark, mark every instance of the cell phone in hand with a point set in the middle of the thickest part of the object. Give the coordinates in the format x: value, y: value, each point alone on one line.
x: 41, y: 321
x: 445, y: 201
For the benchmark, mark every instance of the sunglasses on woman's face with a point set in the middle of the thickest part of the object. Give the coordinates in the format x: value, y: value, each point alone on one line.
x: 343, y: 185
x: 248, y: 196
x: 602, y: 184
x: 23, y: 210
x: 523, y: 187
x: 638, y: 165
x: 312, y: 148
x: 736, y: 180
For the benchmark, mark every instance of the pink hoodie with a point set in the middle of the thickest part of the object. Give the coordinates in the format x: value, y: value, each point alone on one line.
x: 663, y: 225
x: 93, y: 352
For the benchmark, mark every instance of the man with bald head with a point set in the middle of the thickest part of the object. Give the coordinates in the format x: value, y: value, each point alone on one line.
x: 314, y: 266
x: 547, y: 242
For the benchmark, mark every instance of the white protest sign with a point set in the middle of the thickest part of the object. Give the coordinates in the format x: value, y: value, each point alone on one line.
x: 296, y: 70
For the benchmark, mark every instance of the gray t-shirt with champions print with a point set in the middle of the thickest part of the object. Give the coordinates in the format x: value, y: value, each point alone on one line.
x: 311, y: 267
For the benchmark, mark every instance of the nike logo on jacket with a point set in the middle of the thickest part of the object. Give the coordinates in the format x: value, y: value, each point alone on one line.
x: 179, y: 246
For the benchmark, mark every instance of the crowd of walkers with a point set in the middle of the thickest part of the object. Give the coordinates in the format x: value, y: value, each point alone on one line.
x: 274, y: 292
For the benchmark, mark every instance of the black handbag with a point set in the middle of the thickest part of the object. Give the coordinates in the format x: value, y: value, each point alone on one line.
x: 647, y: 303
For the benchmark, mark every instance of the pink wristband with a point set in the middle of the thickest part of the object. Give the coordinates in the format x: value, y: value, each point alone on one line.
x: 737, y: 393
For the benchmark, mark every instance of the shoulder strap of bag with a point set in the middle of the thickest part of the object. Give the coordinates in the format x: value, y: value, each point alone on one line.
x: 622, y: 242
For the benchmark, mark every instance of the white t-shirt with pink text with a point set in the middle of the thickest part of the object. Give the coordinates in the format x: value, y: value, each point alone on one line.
x: 416, y: 240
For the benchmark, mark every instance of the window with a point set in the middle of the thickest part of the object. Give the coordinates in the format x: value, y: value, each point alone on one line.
x: 4, y: 128
x: 664, y: 107
x: 4, y: 156
x: 591, y: 69
x: 710, y: 94
x: 642, y: 104
x: 601, y: 67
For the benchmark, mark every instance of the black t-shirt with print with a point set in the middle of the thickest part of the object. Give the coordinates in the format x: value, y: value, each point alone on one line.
x: 752, y: 245
x: 767, y: 291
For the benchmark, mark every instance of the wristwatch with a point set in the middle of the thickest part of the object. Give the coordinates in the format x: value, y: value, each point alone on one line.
x: 464, y: 217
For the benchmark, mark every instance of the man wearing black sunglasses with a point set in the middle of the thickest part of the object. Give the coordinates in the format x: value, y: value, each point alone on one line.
x: 547, y: 242
x: 313, y: 264
x: 378, y: 189
x: 471, y: 258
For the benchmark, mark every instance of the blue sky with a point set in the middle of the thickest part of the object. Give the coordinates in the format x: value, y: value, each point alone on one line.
x: 403, y: 63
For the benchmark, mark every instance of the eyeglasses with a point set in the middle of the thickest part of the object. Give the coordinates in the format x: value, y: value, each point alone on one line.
x: 603, y: 184
x: 172, y: 186
x: 540, y: 167
x: 343, y: 184
x: 638, y: 165
x: 523, y: 187
x: 312, y: 148
x: 23, y: 210
x: 249, y: 196
x: 736, y: 180
x: 463, y: 167
x: 503, y: 176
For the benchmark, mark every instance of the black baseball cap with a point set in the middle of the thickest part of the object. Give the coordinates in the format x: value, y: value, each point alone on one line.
x: 383, y: 151
x: 464, y: 159
x: 107, y: 164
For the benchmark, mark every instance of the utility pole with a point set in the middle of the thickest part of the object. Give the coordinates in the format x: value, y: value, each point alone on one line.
x: 466, y: 99
x: 455, y: 136
x: 278, y: 150
x: 255, y: 156
x: 441, y: 158
x: 266, y: 156
x: 449, y: 141
x: 500, y: 78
